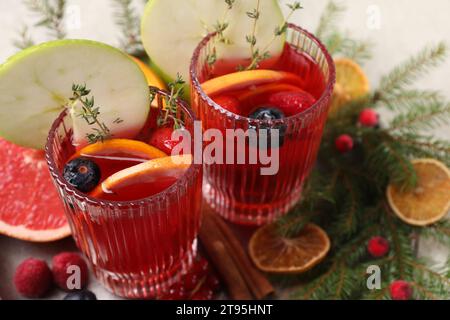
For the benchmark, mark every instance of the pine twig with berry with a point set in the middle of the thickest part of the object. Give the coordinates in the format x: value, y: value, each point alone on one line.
x: 360, y: 158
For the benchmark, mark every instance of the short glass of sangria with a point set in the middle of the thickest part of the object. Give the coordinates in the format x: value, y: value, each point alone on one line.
x: 138, y: 226
x: 289, y: 95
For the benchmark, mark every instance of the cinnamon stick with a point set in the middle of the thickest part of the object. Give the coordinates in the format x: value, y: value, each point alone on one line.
x: 224, y: 263
x: 257, y: 282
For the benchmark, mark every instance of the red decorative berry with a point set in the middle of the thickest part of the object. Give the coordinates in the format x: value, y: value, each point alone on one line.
x: 61, y: 271
x: 400, y: 290
x: 344, y: 143
x: 33, y: 278
x: 162, y: 139
x: 378, y: 247
x: 292, y: 103
x: 369, y: 118
x: 228, y: 102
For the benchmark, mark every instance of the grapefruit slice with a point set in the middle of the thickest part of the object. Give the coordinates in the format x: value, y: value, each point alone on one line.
x: 30, y: 208
x: 143, y: 180
x: 275, y: 254
x: 429, y: 202
x: 36, y: 85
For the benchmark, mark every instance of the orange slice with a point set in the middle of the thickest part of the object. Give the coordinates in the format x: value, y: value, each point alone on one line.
x: 351, y: 83
x: 130, y: 148
x: 275, y: 254
x: 239, y: 80
x: 429, y: 202
x: 150, y: 75
x: 144, y: 179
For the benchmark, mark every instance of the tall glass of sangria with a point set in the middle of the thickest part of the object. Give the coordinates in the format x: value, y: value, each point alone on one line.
x: 134, y: 209
x: 288, y: 98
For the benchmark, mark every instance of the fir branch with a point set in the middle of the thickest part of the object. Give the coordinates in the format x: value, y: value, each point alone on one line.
x: 357, y: 50
x: 24, y: 39
x: 128, y: 19
x: 418, y: 146
x: 414, y: 68
x: 421, y: 117
x: 50, y: 14
x: 439, y: 232
x: 389, y: 164
x: 328, y: 20
x: 408, y: 99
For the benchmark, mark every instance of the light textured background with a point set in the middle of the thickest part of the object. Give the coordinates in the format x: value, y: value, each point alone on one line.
x: 405, y: 27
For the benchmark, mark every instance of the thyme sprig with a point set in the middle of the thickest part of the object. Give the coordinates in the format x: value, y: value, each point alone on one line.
x: 170, y: 113
x: 90, y: 113
x: 220, y: 27
x: 258, y: 55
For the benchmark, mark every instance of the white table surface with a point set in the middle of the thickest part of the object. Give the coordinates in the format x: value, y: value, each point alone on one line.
x: 405, y: 27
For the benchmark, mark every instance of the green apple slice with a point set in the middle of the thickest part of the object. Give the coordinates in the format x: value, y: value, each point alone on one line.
x: 36, y: 84
x: 171, y: 30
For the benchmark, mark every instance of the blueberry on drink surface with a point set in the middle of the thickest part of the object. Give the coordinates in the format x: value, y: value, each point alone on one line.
x: 266, y: 114
x: 83, y: 174
x: 81, y: 295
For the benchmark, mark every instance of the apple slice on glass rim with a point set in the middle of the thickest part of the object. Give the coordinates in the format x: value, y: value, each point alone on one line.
x: 36, y: 85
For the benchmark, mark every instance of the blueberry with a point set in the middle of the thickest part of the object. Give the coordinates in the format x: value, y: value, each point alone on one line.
x: 80, y: 295
x: 83, y: 174
x: 266, y: 114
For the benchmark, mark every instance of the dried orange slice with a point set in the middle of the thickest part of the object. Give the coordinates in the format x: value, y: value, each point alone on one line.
x: 116, y: 147
x: 351, y: 83
x: 143, y: 180
x: 429, y: 202
x: 275, y: 254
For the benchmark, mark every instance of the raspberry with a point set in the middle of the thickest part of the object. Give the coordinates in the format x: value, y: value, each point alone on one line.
x: 378, y: 247
x: 61, y: 273
x: 369, y: 118
x: 292, y: 103
x: 400, y: 290
x: 344, y: 143
x: 33, y: 278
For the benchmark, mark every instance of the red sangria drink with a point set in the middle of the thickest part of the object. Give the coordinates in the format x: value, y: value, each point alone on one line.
x: 134, y: 209
x: 285, y: 100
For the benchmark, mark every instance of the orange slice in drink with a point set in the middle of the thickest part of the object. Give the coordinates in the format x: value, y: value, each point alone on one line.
x: 240, y: 80
x: 143, y: 180
x: 351, y: 83
x: 429, y: 202
x: 276, y: 254
x: 117, y: 147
